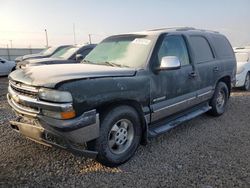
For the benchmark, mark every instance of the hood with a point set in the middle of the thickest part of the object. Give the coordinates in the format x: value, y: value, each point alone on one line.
x: 43, y: 61
x: 31, y: 56
x: 50, y: 75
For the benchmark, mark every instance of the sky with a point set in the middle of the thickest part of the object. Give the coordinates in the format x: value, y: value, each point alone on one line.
x: 23, y: 22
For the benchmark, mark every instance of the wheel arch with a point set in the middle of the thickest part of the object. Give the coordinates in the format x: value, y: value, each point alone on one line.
x: 106, y: 107
x: 227, y: 81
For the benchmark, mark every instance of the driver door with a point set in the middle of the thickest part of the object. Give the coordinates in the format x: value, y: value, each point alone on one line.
x: 172, y: 90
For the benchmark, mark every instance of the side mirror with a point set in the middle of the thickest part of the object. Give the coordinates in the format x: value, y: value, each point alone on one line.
x: 169, y: 63
x: 79, y: 57
x: 2, y: 61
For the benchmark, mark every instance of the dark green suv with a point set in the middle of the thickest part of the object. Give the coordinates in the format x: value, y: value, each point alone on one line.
x: 130, y: 88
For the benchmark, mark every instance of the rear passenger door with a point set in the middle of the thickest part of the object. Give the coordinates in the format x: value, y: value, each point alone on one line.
x: 205, y: 65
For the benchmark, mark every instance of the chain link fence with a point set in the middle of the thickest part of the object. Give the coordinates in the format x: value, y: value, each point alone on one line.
x: 12, y: 53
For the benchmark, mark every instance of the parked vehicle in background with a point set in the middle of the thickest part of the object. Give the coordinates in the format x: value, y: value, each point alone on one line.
x: 6, y: 66
x: 129, y: 88
x: 43, y: 54
x: 243, y: 68
x: 71, y: 54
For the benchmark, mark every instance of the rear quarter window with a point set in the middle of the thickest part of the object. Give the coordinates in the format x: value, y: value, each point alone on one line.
x: 222, y: 47
x: 202, y: 50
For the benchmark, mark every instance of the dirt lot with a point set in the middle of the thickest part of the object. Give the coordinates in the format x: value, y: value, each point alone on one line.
x: 205, y: 152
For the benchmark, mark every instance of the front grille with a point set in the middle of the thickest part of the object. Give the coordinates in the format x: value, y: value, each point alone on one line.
x: 24, y: 89
x: 18, y: 91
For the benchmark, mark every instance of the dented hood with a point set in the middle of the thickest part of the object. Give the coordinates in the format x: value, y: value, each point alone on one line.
x: 50, y: 75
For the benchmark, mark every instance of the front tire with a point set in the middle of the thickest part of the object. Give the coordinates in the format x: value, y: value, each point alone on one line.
x: 246, y: 86
x: 120, y: 135
x: 219, y: 100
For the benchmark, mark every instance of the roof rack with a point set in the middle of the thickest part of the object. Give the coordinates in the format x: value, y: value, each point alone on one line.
x: 174, y: 28
x: 183, y: 29
x: 205, y: 30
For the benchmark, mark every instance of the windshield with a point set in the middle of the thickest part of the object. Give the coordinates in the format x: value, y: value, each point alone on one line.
x: 122, y: 51
x: 65, y: 53
x: 242, y: 56
x: 48, y: 51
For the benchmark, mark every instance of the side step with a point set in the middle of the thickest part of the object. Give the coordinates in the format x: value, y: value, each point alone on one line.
x: 163, y: 127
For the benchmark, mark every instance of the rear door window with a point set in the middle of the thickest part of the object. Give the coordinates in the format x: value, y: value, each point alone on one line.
x: 202, y: 49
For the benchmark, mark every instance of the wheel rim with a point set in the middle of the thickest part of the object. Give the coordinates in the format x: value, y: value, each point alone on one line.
x: 247, y: 82
x: 121, y: 136
x: 220, y: 99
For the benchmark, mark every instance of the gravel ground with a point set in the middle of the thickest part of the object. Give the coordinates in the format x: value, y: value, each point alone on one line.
x: 205, y: 152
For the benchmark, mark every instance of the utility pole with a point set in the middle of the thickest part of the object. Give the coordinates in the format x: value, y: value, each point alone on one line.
x: 8, y: 52
x: 10, y: 43
x: 89, y: 38
x: 46, y: 36
x: 74, y: 31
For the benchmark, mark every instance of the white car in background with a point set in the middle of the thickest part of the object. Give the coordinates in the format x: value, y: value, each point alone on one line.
x: 243, y: 68
x: 6, y: 66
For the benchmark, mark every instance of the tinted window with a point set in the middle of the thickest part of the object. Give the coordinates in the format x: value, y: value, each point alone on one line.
x: 222, y: 47
x: 174, y: 46
x: 202, y: 50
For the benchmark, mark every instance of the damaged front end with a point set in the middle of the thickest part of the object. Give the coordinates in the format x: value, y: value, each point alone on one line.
x: 34, y: 121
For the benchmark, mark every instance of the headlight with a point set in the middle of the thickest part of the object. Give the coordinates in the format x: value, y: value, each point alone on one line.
x: 54, y: 95
x: 240, y: 69
x: 23, y: 66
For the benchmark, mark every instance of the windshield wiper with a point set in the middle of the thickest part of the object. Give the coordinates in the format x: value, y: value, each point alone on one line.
x: 87, y: 61
x: 113, y: 64
x: 104, y: 63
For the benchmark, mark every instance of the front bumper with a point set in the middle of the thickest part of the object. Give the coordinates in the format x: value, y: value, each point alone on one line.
x: 70, y: 135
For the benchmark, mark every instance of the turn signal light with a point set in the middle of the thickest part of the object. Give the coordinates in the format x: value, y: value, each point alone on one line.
x: 68, y: 115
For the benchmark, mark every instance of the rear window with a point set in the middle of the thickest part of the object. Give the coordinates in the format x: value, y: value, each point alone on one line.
x: 241, y: 57
x: 222, y: 47
x: 202, y: 50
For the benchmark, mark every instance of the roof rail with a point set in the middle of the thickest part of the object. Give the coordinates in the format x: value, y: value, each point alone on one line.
x: 182, y: 29
x: 185, y: 28
x: 205, y: 30
x: 175, y: 28
x: 242, y: 47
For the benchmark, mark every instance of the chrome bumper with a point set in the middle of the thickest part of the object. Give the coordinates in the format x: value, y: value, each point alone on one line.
x: 73, y: 141
x: 32, y: 106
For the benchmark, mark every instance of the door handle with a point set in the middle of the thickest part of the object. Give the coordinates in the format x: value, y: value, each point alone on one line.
x: 192, y: 74
x: 216, y: 69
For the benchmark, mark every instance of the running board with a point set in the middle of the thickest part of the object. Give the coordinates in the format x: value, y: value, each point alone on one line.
x: 161, y: 128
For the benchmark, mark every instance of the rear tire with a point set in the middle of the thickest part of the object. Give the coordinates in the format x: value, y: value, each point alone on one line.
x: 246, y: 86
x: 219, y: 100
x: 120, y: 135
